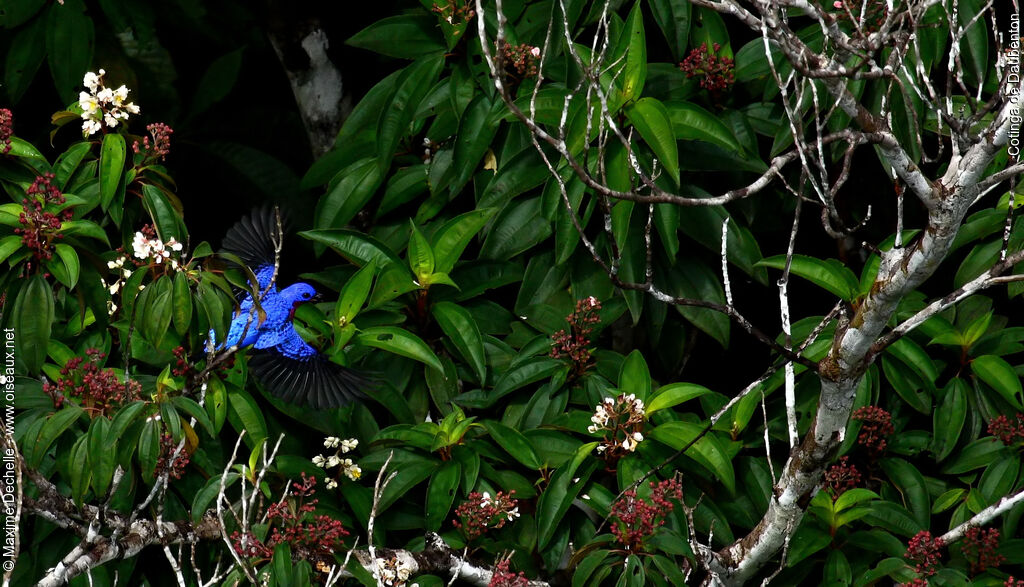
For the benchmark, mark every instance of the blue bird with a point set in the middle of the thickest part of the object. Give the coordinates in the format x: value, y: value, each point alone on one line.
x: 286, y: 365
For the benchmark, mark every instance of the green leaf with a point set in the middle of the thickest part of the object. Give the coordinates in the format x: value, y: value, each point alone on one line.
x: 974, y: 43
x: 892, y: 517
x: 460, y: 327
x: 421, y: 257
x: 554, y: 502
x: 69, y: 265
x: 205, y: 496
x: 998, y: 479
x: 9, y: 245
x: 587, y: 566
x: 407, y: 36
x: 451, y: 239
x: 999, y: 375
x: 194, y: 410
x: 441, y: 494
x: 910, y: 483
x: 182, y: 303
x: 708, y: 451
x: 84, y: 228
x: 348, y: 193
x: 514, y: 443
x: 32, y: 321
x: 353, y: 295
x: 354, y: 246
x: 674, y: 394
x: 975, y: 455
x: 69, y: 46
x: 166, y: 219
x: 523, y: 172
x: 635, y: 73
x: 55, y: 425
x: 916, y: 358
x: 673, y: 18
x: 102, y: 454
x: 393, y: 282
x: 410, y: 474
x: 825, y: 273
x: 112, y: 155
x: 149, y: 449
x: 245, y: 414
x: 651, y: 119
x: 947, y: 500
x: 948, y: 420
x: 410, y: 89
x: 472, y: 140
x: 634, y: 376
x: 853, y: 497
x: 68, y: 162
x: 401, y: 342
x: 690, y: 122
x: 24, y: 56
x: 513, y: 379
x: 81, y: 472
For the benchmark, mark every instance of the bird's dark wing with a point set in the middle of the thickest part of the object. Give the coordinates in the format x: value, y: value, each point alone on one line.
x: 295, y: 372
x: 252, y: 240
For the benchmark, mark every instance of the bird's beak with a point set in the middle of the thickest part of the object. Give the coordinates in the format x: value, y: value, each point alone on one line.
x: 317, y: 298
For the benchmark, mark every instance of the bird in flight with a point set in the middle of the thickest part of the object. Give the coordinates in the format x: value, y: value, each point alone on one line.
x: 287, y: 366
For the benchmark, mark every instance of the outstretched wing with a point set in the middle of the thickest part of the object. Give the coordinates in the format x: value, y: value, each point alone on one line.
x: 252, y: 240
x: 295, y: 372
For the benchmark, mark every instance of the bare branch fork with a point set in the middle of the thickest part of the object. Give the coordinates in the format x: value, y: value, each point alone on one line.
x: 821, y: 78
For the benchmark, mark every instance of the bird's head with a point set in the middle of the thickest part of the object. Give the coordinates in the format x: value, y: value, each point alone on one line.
x: 298, y: 293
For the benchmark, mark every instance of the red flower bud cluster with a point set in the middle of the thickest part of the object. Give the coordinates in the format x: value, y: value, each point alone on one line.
x: 923, y: 550
x: 455, y: 12
x: 575, y: 344
x: 715, y: 73
x: 176, y: 468
x: 841, y: 477
x: 503, y: 577
x: 481, y: 512
x: 161, y: 145
x: 1011, y: 582
x: 39, y: 227
x: 1009, y: 433
x: 182, y: 368
x: 979, y: 548
x: 100, y: 391
x: 312, y: 538
x: 634, y: 520
x: 6, y: 130
x: 877, y: 425
x: 523, y: 58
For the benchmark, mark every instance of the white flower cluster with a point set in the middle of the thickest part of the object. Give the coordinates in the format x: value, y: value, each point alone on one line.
x: 391, y: 572
x: 624, y: 413
x: 348, y: 467
x: 101, y: 104
x: 512, y: 514
x: 346, y: 444
x: 146, y: 248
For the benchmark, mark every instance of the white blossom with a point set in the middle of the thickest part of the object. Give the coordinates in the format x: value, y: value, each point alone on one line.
x: 333, y: 461
x: 319, y: 461
x: 349, y: 444
x: 331, y: 484
x: 331, y: 441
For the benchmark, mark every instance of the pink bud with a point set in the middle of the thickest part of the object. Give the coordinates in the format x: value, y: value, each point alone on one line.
x: 838, y: 4
x: 535, y: 51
